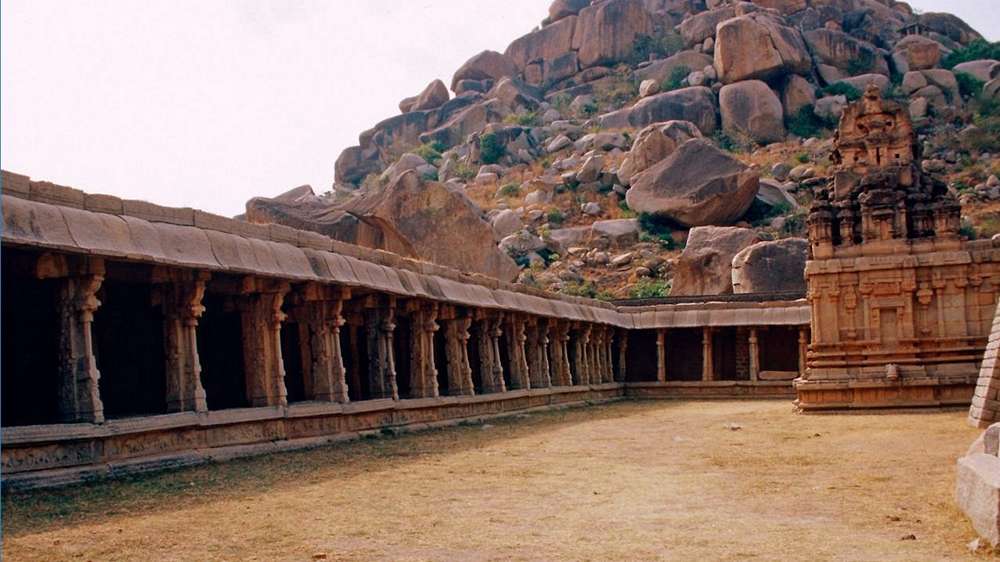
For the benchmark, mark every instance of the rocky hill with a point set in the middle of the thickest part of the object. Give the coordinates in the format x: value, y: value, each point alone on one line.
x: 639, y: 148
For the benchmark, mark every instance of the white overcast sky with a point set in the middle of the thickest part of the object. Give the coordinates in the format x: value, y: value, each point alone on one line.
x: 206, y: 104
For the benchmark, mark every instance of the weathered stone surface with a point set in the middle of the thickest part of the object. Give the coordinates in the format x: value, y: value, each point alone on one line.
x: 752, y: 109
x: 984, y: 69
x: 917, y: 52
x: 505, y: 223
x: 564, y: 8
x: 861, y: 82
x: 354, y: 163
x: 697, y: 185
x: 605, y: 32
x: 977, y: 493
x: 470, y: 120
x: 757, y: 46
x: 950, y: 26
x: 620, y: 233
x: 772, y: 193
x: 545, y: 44
x: 844, y: 52
x: 699, y: 27
x: 661, y: 70
x: 783, y: 6
x: 648, y: 88
x: 425, y: 220
x: 705, y: 265
x: 796, y: 93
x: 653, y: 144
x: 769, y: 267
x: 695, y: 104
x: 434, y: 95
x: 487, y: 65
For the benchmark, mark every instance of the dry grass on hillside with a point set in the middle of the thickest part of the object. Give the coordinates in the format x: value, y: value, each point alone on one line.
x: 629, y: 481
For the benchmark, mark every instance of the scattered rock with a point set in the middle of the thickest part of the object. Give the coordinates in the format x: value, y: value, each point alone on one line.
x: 648, y: 88
x: 505, y: 223
x: 591, y: 208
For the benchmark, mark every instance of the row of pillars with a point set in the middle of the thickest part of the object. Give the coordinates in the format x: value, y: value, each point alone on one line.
x: 540, y: 352
x: 707, y: 360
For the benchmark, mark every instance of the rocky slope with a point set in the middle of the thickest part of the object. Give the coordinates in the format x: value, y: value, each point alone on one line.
x: 651, y: 147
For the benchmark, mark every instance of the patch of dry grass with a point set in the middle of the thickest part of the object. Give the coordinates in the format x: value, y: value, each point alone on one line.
x: 628, y: 481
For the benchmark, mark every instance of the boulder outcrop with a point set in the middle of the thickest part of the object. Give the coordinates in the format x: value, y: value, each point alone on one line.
x: 653, y: 144
x: 771, y: 267
x: 425, y: 220
x: 705, y: 265
x: 753, y: 110
x: 697, y: 185
x: 758, y: 47
x: 606, y: 31
x: 695, y: 104
x: 487, y: 65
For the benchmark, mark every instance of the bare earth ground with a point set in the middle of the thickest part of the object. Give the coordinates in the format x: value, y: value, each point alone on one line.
x: 627, y: 481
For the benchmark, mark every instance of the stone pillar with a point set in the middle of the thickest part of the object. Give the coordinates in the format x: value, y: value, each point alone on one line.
x: 622, y: 373
x: 514, y: 328
x: 661, y: 356
x: 754, y: 355
x: 380, y: 323
x: 557, y: 352
x: 422, y: 369
x: 803, y: 349
x: 542, y: 375
x: 581, y: 368
x: 600, y: 363
x: 496, y: 331
x: 261, y: 318
x: 322, y: 320
x: 457, y: 350
x: 79, y: 394
x: 487, y: 356
x: 182, y: 304
x: 707, y: 365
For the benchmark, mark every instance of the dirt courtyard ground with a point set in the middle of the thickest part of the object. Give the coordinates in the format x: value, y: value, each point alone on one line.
x: 628, y: 481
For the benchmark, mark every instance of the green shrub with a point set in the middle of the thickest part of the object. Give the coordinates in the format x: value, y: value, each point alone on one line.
x: 805, y: 123
x: 674, y: 81
x: 968, y: 85
x: 976, y: 50
x: 732, y: 143
x: 802, y: 158
x: 431, y: 151
x: 526, y: 119
x: 649, y: 289
x: 660, y: 45
x: 555, y: 216
x: 586, y: 289
x: 510, y: 190
x: 760, y: 213
x: 491, y: 150
x: 843, y: 89
x: 464, y: 171
x: 656, y: 228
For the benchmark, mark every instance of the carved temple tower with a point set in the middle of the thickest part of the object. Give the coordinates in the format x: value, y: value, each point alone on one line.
x: 901, y: 304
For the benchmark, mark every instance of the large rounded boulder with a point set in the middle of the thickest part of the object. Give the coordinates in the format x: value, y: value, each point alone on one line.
x: 697, y: 185
x: 771, y: 267
x: 757, y: 46
x: 487, y: 65
x: 653, y: 144
x: 705, y: 266
x: 753, y: 110
x: 695, y: 104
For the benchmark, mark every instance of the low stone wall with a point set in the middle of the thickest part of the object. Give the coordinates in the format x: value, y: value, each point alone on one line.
x: 977, y: 489
x: 701, y: 390
x: 51, y: 455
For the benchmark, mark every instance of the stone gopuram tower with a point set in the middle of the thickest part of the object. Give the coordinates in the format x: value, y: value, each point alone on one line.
x: 901, y: 304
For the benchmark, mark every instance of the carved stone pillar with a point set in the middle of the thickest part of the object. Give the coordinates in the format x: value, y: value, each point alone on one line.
x: 581, y: 368
x: 495, y: 333
x: 754, y: 355
x: 261, y: 318
x: 457, y: 349
x: 487, y: 356
x: 380, y: 323
x: 79, y: 394
x: 707, y: 365
x: 557, y: 352
x: 661, y: 356
x: 322, y: 320
x: 539, y: 344
x: 182, y: 304
x: 516, y: 353
x: 621, y: 375
x: 422, y: 368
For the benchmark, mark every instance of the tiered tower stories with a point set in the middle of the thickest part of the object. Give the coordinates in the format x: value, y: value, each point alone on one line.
x: 901, y: 303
